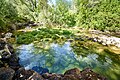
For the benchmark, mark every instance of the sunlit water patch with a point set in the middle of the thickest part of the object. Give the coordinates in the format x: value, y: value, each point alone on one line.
x: 61, y: 57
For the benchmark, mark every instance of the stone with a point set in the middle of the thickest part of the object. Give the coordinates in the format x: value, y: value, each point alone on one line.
x: 55, y: 77
x: 35, y: 76
x: 1, y: 64
x: 46, y: 75
x: 14, y: 62
x: 10, y: 48
x: 5, y: 55
x: 52, y: 76
x: 8, y: 35
x: 22, y: 74
x: 2, y: 44
x: 6, y: 50
x: 72, y: 74
x: 88, y: 74
x: 70, y: 77
x: 6, y: 73
x: 104, y: 44
x: 95, y: 40
x: 118, y: 45
x: 74, y: 71
x: 2, y: 35
x: 8, y: 56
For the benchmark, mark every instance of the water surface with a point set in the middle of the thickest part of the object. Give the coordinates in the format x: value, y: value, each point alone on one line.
x: 59, y: 58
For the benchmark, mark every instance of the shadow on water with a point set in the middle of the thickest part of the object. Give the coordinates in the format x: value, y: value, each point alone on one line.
x: 59, y: 58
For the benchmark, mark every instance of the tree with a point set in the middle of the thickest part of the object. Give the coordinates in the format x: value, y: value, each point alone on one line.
x: 8, y: 14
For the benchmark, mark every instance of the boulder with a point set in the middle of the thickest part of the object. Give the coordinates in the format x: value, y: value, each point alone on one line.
x: 22, y: 74
x: 6, y: 73
x: 2, y: 44
x: 74, y: 71
x: 46, y: 75
x: 55, y: 77
x: 72, y: 74
x: 14, y: 62
x: 70, y: 77
x: 35, y: 76
x: 52, y: 76
x: 8, y: 56
x: 88, y: 74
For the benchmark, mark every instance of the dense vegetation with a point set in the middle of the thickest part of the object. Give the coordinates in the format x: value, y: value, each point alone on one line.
x: 95, y: 14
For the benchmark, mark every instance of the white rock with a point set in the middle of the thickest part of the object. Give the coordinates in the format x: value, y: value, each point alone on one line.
x: 99, y: 40
x: 108, y: 42
x: 118, y: 45
x: 95, y: 39
x: 8, y: 35
x: 104, y: 44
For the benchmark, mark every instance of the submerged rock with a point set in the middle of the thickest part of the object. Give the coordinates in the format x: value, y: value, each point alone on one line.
x: 40, y: 70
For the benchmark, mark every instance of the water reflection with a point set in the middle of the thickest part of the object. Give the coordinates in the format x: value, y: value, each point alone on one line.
x: 60, y: 58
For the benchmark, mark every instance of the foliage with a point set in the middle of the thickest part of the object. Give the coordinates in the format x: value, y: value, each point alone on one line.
x: 61, y: 14
x: 32, y: 9
x: 99, y: 14
x: 8, y: 14
x: 95, y: 14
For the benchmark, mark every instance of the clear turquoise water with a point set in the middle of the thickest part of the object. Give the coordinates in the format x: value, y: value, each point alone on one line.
x: 59, y: 58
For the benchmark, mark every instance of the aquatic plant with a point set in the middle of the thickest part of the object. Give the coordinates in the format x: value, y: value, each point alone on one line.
x: 28, y: 37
